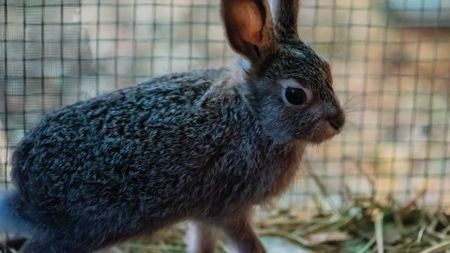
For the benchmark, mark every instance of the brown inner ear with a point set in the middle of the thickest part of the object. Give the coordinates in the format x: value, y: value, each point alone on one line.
x: 245, y: 22
x: 248, y: 22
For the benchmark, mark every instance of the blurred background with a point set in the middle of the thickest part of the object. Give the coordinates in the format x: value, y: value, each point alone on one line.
x: 390, y: 62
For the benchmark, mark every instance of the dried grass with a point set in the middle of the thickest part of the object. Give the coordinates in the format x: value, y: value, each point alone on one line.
x: 364, y: 225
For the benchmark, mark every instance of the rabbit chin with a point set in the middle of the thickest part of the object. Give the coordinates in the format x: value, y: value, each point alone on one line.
x: 321, y: 132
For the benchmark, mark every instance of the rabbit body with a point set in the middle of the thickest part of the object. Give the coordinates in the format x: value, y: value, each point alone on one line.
x: 204, y: 145
x: 179, y: 146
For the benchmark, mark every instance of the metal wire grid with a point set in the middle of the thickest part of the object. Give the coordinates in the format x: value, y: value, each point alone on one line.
x: 393, y: 79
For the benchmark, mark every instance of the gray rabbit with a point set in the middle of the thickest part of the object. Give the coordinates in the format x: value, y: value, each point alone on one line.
x: 204, y: 146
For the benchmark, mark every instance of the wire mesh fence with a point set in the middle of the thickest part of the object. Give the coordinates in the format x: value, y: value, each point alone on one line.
x: 390, y: 62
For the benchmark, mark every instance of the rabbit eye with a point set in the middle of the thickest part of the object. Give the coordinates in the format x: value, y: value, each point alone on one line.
x: 295, y: 96
x: 293, y: 93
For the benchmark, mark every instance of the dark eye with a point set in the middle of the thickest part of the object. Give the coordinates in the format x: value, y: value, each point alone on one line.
x: 293, y: 93
x: 295, y: 96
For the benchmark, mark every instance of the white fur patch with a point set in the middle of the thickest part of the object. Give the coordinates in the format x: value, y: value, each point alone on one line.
x: 200, y: 238
x: 273, y: 5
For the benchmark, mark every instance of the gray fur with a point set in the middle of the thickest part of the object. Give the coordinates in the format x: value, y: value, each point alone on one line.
x: 285, y: 17
x: 205, y: 145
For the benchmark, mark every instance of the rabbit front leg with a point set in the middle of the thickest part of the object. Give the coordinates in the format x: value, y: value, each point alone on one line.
x: 242, y: 236
x: 200, y: 238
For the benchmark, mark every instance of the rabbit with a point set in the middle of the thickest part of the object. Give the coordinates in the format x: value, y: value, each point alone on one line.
x: 204, y: 146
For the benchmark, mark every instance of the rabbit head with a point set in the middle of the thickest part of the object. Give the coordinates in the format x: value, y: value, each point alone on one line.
x: 284, y: 82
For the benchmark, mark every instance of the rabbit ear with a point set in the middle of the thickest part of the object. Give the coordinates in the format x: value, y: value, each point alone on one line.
x: 248, y: 26
x: 285, y: 17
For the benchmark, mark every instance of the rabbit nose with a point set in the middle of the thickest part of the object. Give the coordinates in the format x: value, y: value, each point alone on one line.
x: 336, y: 120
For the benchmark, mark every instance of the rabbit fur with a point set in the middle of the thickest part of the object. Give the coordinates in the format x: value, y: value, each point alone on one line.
x: 204, y: 145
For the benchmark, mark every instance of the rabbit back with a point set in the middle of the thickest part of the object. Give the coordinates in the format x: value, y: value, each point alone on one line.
x: 127, y: 156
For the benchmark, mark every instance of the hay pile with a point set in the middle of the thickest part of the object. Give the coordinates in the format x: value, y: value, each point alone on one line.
x: 364, y: 226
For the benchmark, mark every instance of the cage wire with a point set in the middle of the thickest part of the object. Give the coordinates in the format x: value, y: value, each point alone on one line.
x: 390, y: 62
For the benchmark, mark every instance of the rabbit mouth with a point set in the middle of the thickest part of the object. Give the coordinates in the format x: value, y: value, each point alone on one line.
x: 322, y: 131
